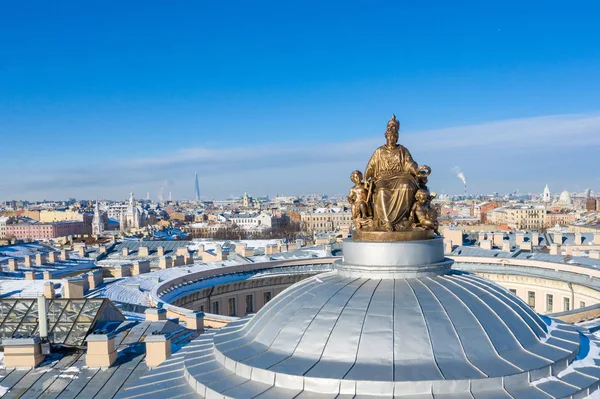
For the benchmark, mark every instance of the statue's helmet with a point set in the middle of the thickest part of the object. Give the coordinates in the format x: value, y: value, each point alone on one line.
x: 393, y: 124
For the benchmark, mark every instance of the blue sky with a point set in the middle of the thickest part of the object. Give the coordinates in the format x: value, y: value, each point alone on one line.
x: 290, y: 97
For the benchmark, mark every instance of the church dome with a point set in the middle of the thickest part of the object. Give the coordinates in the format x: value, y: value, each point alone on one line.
x: 565, y: 197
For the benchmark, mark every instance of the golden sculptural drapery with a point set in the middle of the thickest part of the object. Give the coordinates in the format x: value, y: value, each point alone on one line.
x: 392, y: 171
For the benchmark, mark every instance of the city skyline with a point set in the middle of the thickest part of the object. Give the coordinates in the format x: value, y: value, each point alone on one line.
x: 96, y: 101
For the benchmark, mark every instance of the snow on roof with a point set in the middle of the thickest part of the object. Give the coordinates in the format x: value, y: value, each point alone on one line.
x: 24, y: 288
x: 22, y: 250
x: 136, y: 289
x: 211, y: 244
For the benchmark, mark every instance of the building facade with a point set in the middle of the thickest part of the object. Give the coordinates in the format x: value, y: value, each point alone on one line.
x: 527, y: 217
x: 44, y: 230
x: 3, y: 223
x: 325, y: 220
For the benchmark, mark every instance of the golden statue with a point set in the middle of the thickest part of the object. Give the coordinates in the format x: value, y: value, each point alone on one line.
x: 422, y: 213
x: 359, y: 198
x: 392, y: 178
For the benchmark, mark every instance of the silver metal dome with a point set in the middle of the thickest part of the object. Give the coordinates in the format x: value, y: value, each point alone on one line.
x: 455, y: 326
x: 391, y: 322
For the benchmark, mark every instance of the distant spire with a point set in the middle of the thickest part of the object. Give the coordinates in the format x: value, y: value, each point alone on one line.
x: 197, y: 186
x: 97, y: 224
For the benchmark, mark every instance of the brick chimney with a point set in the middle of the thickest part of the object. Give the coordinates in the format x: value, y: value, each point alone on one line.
x: 101, y: 351
x: 28, y: 260
x: 49, y: 292
x: 40, y: 259
x: 53, y: 257
x: 179, y: 260
x: 183, y: 251
x: 519, y: 239
x: 122, y: 270
x: 485, y: 244
x: 156, y: 314
x: 140, y: 267
x: 557, y: 238
x: 64, y: 254
x: 195, y: 320
x: 95, y: 279
x: 165, y: 262
x: 13, y: 265
x: 22, y: 352
x: 73, y: 288
x: 158, y: 349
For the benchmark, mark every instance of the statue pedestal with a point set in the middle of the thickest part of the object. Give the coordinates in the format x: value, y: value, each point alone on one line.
x: 392, y: 236
x: 392, y: 260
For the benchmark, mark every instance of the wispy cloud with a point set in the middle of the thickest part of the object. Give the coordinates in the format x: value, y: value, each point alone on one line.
x: 556, y: 131
x: 552, y: 135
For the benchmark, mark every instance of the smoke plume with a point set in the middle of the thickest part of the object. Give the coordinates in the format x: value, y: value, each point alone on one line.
x: 461, y: 176
x: 164, y: 185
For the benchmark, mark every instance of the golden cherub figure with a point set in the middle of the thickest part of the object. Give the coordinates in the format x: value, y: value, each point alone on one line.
x: 359, y: 198
x: 422, y: 213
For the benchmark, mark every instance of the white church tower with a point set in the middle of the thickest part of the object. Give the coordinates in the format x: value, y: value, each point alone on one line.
x: 547, y: 197
x: 97, y: 224
x: 132, y: 215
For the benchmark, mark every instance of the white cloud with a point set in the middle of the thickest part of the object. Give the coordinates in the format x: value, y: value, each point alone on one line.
x: 556, y: 131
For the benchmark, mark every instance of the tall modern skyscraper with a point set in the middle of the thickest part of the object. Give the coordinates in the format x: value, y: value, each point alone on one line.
x: 196, y: 186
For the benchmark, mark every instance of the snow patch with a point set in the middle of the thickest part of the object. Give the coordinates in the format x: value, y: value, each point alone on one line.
x: 553, y: 326
x: 72, y: 369
x: 71, y: 376
x: 588, y: 361
x: 594, y: 395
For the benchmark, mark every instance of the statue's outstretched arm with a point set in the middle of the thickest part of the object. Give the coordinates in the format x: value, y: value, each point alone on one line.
x: 370, y: 169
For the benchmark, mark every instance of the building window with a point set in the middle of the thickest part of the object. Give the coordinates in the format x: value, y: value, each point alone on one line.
x: 266, y: 297
x: 531, y: 298
x: 549, y: 300
x: 582, y: 304
x: 249, y: 304
x: 231, y: 306
x: 215, y: 307
x: 513, y: 291
x: 566, y: 304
